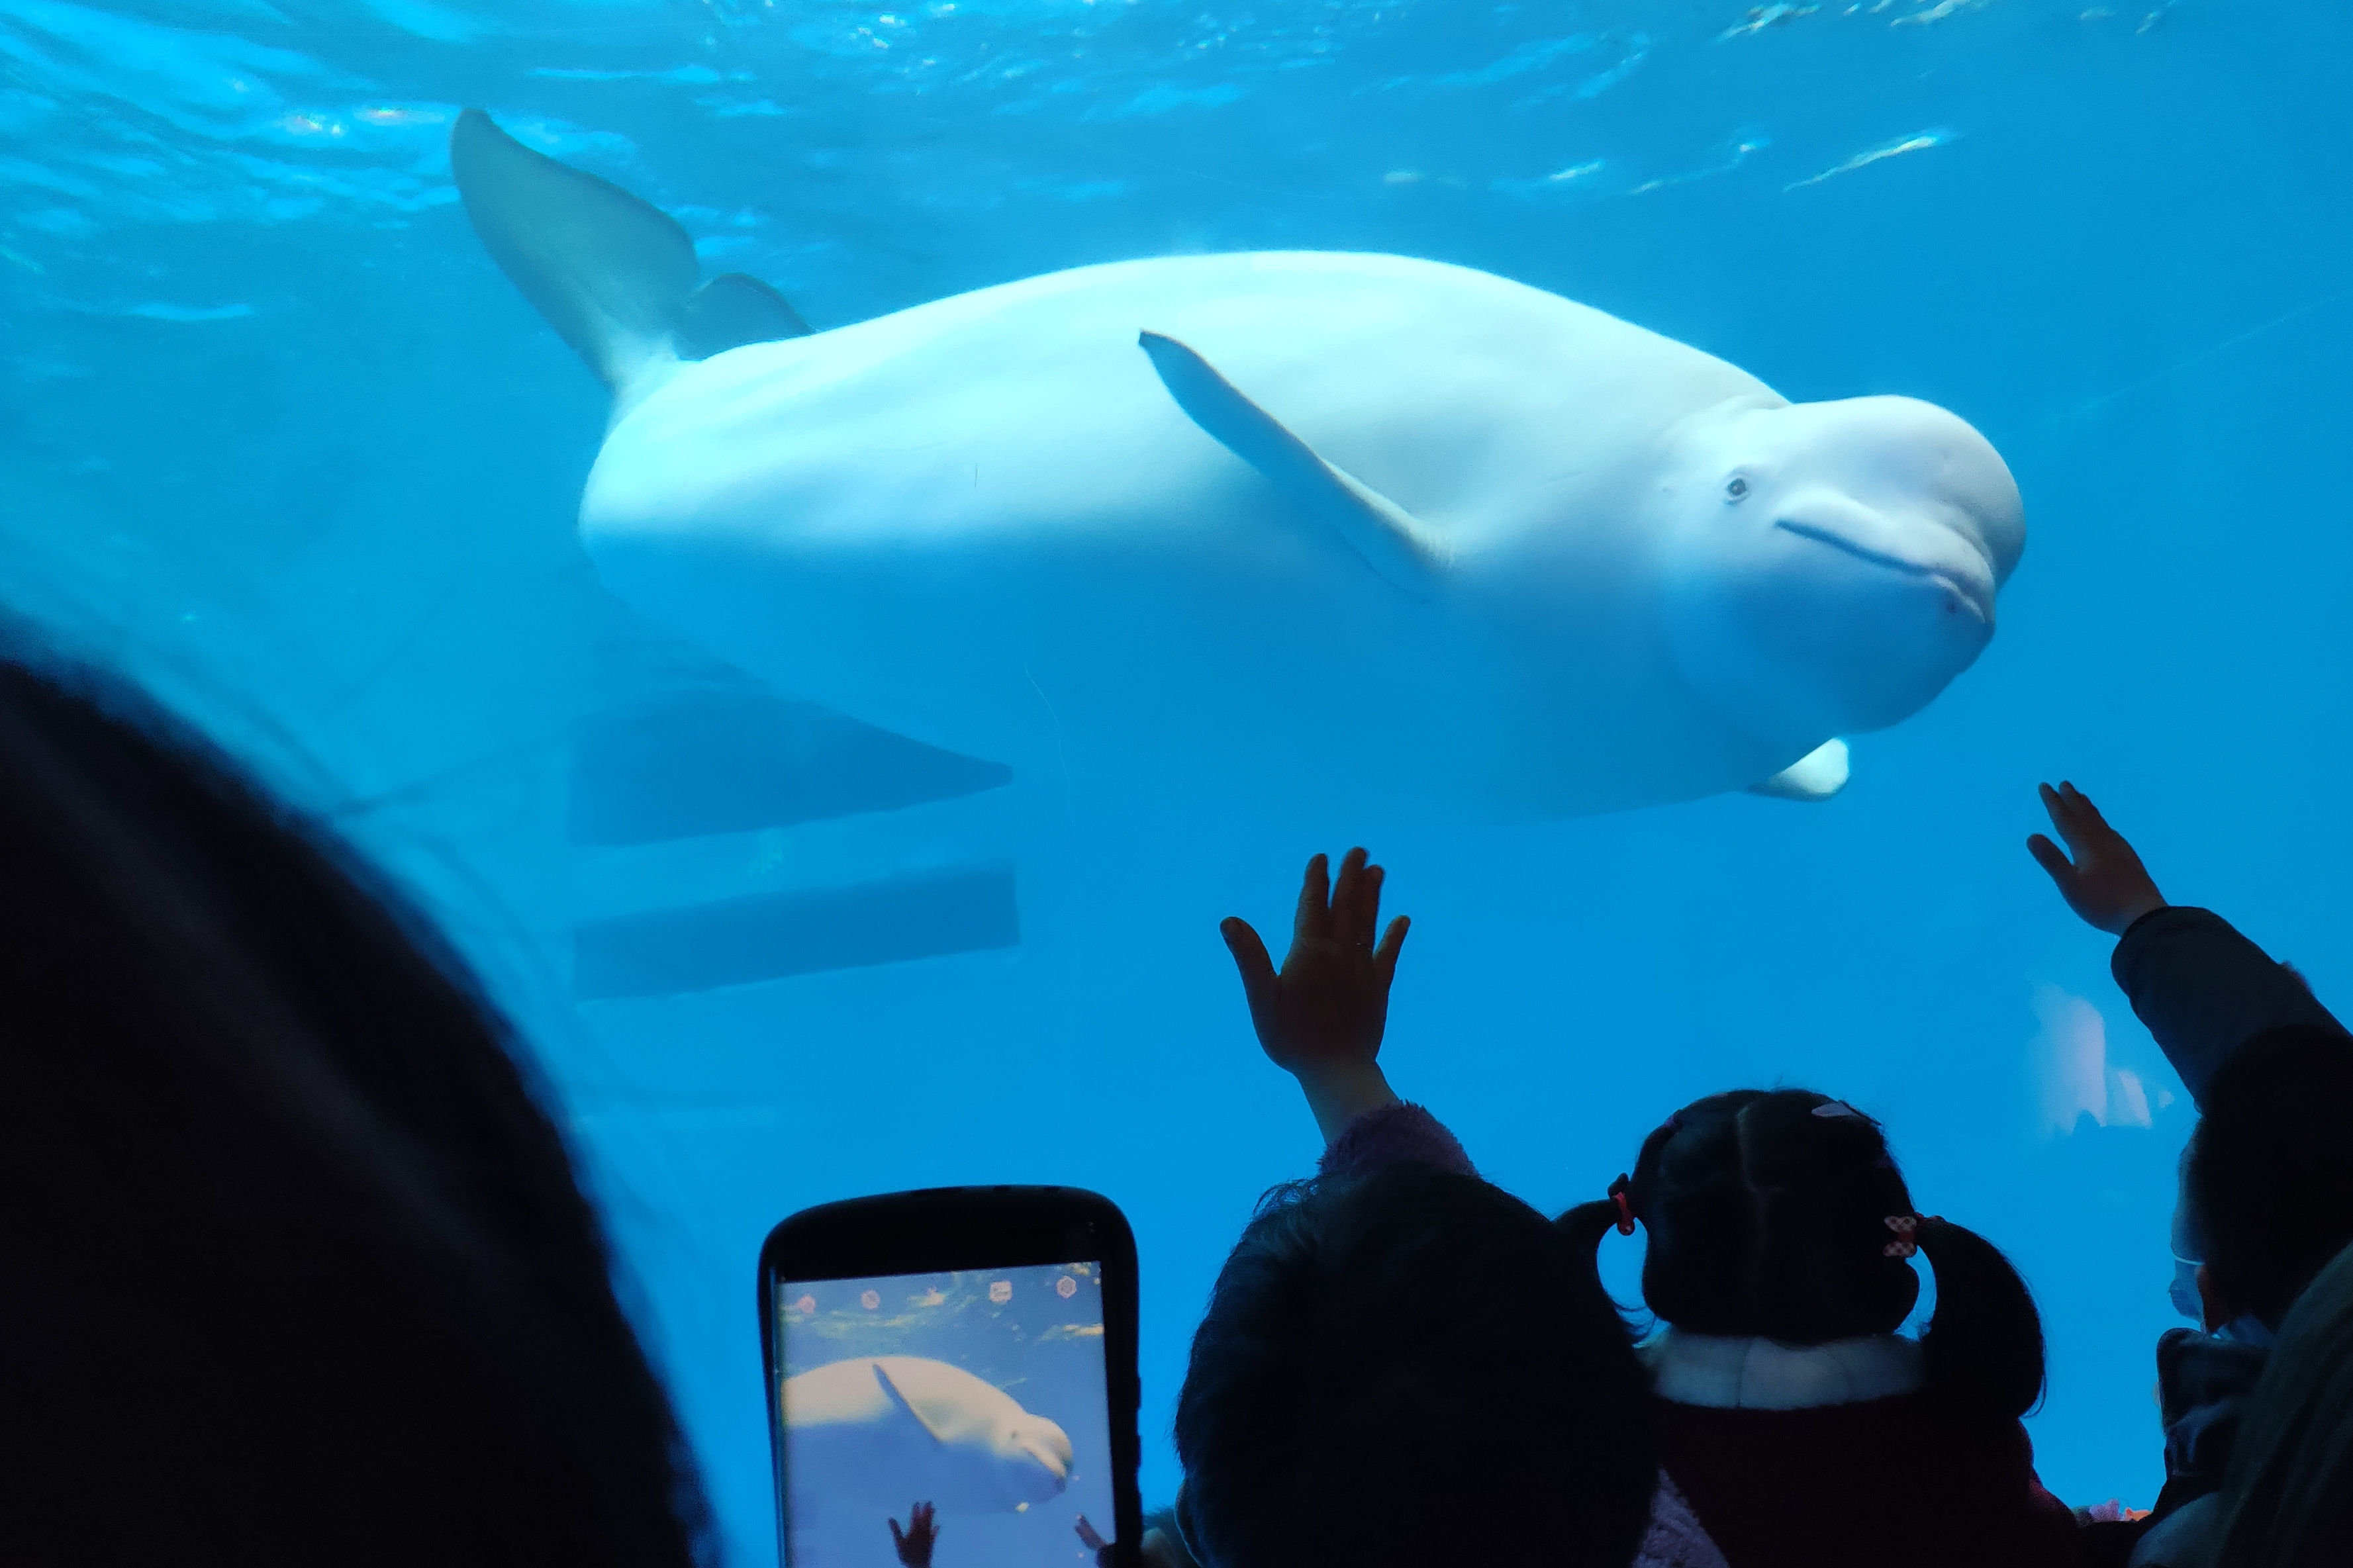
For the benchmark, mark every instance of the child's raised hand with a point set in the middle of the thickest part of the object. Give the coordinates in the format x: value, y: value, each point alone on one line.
x: 1320, y: 1018
x: 914, y: 1543
x: 2104, y: 883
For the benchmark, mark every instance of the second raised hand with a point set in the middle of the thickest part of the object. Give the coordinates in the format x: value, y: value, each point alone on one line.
x: 1321, y: 1017
x: 2104, y: 883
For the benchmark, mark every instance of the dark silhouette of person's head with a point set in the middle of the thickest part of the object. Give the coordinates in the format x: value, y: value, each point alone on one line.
x: 296, y: 1269
x: 2269, y: 1174
x: 1769, y: 1215
x: 1406, y: 1368
x: 2287, y: 1495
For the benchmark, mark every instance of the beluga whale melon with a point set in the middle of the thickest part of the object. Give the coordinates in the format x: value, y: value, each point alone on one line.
x: 1197, y: 523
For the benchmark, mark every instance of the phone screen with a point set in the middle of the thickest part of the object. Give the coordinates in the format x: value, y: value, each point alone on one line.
x: 973, y: 1401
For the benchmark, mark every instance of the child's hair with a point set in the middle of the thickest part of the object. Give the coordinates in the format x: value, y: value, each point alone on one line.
x: 1769, y: 1213
x: 1408, y: 1368
x: 2270, y: 1171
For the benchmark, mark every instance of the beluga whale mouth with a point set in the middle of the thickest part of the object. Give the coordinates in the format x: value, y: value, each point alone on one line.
x: 1969, y: 595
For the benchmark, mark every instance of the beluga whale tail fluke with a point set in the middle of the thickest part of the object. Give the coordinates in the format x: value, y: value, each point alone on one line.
x: 1541, y: 561
x: 614, y: 275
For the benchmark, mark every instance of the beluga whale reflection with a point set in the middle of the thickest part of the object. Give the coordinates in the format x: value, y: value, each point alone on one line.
x: 1208, y: 524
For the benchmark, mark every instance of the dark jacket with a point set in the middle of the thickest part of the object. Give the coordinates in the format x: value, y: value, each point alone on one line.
x: 1902, y: 1482
x: 2203, y: 1384
x: 2204, y: 991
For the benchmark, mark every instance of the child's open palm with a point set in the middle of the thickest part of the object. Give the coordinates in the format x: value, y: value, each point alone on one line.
x: 914, y: 1543
x: 1321, y: 1017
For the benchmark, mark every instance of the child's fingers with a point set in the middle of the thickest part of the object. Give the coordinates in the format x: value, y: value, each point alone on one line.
x: 2052, y: 858
x: 1368, y: 905
x: 2092, y: 827
x: 1314, y: 913
x: 2073, y: 826
x: 1257, y: 969
x: 1385, y: 957
x: 2054, y: 806
x: 1347, y: 895
x: 2084, y: 809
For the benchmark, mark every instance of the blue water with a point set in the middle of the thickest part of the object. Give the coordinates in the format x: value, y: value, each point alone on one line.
x: 276, y: 435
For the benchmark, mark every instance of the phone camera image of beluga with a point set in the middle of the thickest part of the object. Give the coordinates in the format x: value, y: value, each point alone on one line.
x: 953, y: 1420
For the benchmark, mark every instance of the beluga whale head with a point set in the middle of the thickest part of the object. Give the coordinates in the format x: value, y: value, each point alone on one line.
x: 1035, y: 1459
x: 1831, y: 566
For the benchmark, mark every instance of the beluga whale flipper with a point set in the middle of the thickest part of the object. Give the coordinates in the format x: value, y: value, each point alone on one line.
x: 1375, y: 527
x: 1532, y: 559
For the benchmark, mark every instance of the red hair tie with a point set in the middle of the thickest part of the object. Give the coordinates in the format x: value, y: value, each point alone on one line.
x: 1906, y: 1228
x: 1619, y: 1191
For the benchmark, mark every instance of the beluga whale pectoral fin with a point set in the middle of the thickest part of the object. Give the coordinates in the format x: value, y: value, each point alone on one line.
x: 1818, y: 775
x: 1391, y: 540
x: 614, y: 275
x: 906, y: 1406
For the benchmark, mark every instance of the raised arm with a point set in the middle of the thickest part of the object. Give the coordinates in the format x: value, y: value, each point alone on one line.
x: 2202, y: 988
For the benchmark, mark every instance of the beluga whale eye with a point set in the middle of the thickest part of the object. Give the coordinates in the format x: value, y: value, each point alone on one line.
x: 1737, y: 488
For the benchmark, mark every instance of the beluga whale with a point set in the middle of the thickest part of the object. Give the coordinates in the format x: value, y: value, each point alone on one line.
x: 866, y: 1437
x: 1198, y: 524
x: 876, y: 1431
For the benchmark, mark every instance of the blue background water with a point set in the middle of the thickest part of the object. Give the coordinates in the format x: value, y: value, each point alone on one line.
x: 276, y: 435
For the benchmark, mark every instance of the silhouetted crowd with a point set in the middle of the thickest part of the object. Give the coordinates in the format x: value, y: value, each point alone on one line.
x: 1396, y: 1348
x: 296, y: 1268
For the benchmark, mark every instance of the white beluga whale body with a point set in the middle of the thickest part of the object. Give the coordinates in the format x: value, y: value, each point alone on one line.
x: 1524, y: 557
x: 872, y: 1434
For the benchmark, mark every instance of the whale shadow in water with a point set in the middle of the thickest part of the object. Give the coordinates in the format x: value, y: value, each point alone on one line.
x: 732, y: 758
x: 682, y: 747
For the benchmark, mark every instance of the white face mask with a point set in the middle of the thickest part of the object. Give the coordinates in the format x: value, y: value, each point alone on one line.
x: 2246, y: 1328
x: 2183, y: 1292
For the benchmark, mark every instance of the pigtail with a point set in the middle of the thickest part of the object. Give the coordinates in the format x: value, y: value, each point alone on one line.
x: 1983, y: 1345
x: 1581, y: 1230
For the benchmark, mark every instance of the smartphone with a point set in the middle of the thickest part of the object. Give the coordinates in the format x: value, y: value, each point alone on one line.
x: 951, y: 1381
